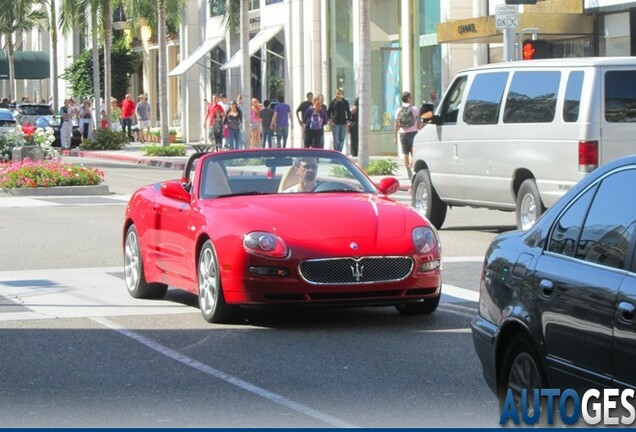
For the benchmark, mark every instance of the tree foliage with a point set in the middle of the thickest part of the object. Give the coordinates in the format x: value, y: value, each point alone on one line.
x: 80, y: 74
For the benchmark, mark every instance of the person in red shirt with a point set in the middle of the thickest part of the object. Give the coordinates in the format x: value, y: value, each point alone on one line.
x: 127, y: 112
x: 214, y: 121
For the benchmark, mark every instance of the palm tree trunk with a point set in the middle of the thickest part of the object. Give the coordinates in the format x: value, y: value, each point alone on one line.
x: 108, y: 42
x: 364, y: 84
x: 10, y: 60
x: 54, y: 70
x: 95, y: 49
x: 163, y: 73
x: 246, y: 71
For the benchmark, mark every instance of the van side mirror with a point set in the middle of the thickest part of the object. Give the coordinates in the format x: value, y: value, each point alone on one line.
x: 436, y: 120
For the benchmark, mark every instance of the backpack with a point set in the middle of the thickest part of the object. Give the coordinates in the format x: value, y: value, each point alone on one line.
x: 406, y: 119
x: 315, y: 121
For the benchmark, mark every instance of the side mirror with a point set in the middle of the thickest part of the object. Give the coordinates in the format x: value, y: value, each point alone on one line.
x: 175, y: 190
x: 389, y: 185
x: 436, y: 120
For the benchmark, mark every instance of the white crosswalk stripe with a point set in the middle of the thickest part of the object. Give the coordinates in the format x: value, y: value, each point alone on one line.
x: 100, y: 292
x: 57, y: 201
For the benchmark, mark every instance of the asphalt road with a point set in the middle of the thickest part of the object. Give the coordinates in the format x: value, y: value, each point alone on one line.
x: 78, y: 352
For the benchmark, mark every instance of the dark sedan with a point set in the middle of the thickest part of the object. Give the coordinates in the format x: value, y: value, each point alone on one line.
x: 41, y: 115
x: 557, y: 303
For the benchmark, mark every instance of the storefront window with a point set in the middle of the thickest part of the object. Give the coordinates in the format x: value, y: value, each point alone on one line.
x: 385, y: 64
x: 275, y: 68
x: 342, y: 69
x: 217, y: 78
x: 428, y: 73
x: 217, y: 7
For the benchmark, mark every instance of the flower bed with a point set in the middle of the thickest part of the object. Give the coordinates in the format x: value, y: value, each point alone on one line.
x: 48, y: 173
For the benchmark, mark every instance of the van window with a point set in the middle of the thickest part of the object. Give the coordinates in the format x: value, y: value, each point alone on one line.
x: 532, y: 97
x: 573, y: 97
x: 450, y: 107
x: 484, y: 98
x: 620, y: 96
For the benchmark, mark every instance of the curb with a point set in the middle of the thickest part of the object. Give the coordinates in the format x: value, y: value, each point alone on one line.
x: 58, y: 190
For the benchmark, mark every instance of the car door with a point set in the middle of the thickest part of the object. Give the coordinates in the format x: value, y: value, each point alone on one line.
x: 173, y: 219
x: 578, y: 279
x: 437, y: 144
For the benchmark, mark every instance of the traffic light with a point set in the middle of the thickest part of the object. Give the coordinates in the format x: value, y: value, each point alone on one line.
x: 535, y: 49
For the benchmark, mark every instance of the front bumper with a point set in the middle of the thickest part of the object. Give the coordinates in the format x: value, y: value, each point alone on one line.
x: 484, y: 338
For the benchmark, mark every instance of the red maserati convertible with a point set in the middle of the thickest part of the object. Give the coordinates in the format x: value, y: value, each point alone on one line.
x: 279, y: 226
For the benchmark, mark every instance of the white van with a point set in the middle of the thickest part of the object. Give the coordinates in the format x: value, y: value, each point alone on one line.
x: 516, y: 136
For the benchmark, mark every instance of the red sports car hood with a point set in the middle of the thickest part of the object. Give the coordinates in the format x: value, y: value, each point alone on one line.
x: 314, y: 216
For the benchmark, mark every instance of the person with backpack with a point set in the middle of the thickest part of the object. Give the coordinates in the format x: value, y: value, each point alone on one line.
x: 406, y: 125
x: 315, y: 120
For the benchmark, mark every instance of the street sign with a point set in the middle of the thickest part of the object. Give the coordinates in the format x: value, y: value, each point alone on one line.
x: 506, y: 17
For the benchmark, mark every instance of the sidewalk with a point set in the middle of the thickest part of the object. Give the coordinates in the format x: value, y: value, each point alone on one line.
x: 132, y: 153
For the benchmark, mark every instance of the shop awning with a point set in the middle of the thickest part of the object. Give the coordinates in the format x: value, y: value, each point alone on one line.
x: 196, y: 55
x: 256, y: 43
x: 35, y: 65
x: 482, y: 29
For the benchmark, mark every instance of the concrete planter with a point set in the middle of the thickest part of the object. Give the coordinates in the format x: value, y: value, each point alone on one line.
x: 58, y: 190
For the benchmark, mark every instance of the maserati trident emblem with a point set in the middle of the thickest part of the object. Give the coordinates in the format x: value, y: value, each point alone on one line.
x: 357, y: 271
x: 354, y: 245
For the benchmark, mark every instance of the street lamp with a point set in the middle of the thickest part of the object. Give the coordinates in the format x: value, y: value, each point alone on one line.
x: 533, y: 31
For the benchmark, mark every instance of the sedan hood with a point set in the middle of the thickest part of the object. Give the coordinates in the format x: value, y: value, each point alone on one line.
x: 316, y: 217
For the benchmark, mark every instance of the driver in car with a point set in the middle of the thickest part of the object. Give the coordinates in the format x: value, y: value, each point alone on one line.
x: 306, y: 170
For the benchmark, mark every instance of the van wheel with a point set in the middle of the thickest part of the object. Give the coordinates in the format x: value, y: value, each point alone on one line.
x: 426, y: 201
x: 529, y: 205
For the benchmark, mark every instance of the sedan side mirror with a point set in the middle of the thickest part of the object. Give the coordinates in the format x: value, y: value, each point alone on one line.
x: 175, y: 190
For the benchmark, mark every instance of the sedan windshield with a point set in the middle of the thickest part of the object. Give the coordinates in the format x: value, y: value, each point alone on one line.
x: 280, y: 172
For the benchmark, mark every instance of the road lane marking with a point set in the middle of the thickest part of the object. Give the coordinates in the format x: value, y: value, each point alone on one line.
x: 457, y: 330
x: 460, y: 293
x: 230, y: 379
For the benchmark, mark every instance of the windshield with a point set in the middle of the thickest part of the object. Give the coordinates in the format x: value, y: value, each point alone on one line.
x: 35, y: 110
x: 281, y: 172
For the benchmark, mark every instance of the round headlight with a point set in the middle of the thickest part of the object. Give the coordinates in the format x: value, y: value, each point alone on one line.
x: 424, y: 240
x: 266, y: 244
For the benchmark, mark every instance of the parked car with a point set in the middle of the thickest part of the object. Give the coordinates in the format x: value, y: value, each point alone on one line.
x: 237, y: 231
x: 7, y: 121
x: 557, y: 305
x: 515, y: 136
x: 42, y: 115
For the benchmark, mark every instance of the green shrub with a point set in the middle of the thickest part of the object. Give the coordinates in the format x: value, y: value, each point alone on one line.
x: 339, y: 171
x: 381, y: 167
x: 159, y: 150
x: 105, y: 139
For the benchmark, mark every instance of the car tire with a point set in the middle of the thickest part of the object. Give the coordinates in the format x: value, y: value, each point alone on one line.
x: 426, y: 201
x: 134, y: 273
x: 211, y: 298
x: 529, y: 205
x: 425, y: 307
x: 521, y: 369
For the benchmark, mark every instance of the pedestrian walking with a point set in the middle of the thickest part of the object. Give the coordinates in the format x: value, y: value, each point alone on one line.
x: 127, y: 113
x: 353, y: 128
x: 266, y: 114
x: 339, y: 116
x: 255, y: 124
x: 406, y: 125
x: 234, y: 122
x: 282, y: 122
x: 315, y: 120
x: 86, y: 120
x: 142, y: 112
x: 300, y: 114
x: 66, y: 126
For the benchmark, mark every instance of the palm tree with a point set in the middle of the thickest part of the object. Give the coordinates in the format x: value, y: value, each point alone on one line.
x: 364, y: 83
x: 108, y: 43
x: 246, y: 69
x: 159, y: 16
x: 18, y: 16
x: 163, y: 71
x: 72, y: 15
x: 54, y: 72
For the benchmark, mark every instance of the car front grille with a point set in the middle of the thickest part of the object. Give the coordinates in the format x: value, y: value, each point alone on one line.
x: 337, y: 271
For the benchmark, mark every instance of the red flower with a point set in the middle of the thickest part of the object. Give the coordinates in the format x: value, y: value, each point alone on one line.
x: 28, y: 129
